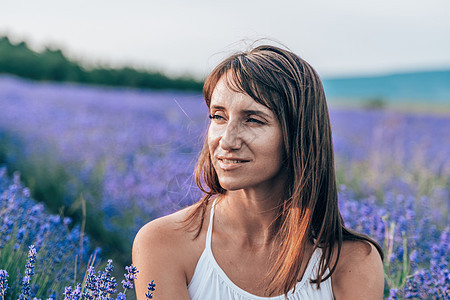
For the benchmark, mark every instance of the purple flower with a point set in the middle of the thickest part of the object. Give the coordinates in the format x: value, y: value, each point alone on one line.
x: 76, y: 294
x: 130, y: 276
x: 106, y: 283
x: 26, y: 289
x: 127, y: 285
x: 68, y: 293
x: 91, y: 289
x: 150, y: 289
x: 29, y: 271
x: 3, y: 282
x: 121, y: 296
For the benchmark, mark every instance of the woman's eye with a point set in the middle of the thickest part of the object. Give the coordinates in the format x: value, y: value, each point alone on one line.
x: 215, y: 117
x: 253, y: 120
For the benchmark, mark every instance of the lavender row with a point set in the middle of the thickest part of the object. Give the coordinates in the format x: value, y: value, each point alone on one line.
x: 140, y: 146
x: 416, y: 249
x: 23, y: 223
x: 40, y: 256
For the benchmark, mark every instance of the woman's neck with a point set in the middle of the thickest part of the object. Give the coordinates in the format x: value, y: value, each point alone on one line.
x: 249, y: 216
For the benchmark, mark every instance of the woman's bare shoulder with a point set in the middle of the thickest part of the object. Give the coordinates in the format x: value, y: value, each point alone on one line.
x: 359, y: 273
x: 162, y: 251
x: 164, y: 231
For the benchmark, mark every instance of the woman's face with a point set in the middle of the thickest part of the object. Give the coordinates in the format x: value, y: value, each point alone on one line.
x: 245, y: 141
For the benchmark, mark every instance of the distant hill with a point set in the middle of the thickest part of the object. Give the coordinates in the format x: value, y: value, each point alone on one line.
x: 432, y: 87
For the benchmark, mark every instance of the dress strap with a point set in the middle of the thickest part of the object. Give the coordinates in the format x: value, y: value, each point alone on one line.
x: 210, y: 226
x: 313, y: 264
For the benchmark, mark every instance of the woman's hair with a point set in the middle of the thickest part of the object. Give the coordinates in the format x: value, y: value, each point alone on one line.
x: 290, y: 87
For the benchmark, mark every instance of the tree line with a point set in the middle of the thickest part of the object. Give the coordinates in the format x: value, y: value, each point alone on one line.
x: 53, y: 65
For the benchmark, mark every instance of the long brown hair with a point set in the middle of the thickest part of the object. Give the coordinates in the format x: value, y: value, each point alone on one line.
x: 291, y: 88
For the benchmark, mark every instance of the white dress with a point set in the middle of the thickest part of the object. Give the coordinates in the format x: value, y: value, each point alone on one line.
x: 210, y: 282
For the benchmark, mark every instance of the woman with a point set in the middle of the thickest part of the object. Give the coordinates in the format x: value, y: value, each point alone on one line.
x: 269, y: 223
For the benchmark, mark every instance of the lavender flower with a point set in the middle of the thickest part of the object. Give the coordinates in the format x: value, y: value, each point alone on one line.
x: 95, y: 285
x: 91, y: 289
x: 68, y: 293
x: 121, y: 296
x: 3, y: 283
x: 130, y: 276
x: 31, y: 261
x: 76, y: 294
x: 29, y: 272
x: 26, y: 289
x: 106, y: 283
x: 150, y: 290
x: 73, y: 294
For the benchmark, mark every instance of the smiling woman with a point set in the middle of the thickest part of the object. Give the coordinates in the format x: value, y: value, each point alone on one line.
x: 268, y: 225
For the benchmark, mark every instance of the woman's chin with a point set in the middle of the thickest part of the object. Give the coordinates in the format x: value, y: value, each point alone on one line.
x: 231, y: 185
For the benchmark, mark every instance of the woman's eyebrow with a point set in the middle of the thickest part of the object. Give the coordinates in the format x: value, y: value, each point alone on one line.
x: 244, y: 112
x: 216, y: 107
x: 256, y: 112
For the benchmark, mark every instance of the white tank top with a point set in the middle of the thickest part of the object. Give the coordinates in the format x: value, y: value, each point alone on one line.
x: 211, y: 283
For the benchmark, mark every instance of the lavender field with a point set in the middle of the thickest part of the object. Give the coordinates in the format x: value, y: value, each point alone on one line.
x: 129, y: 156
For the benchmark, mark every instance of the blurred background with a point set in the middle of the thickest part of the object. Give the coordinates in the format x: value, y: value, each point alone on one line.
x: 102, y: 118
x: 381, y: 48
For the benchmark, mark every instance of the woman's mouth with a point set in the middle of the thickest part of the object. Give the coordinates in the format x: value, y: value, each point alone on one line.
x: 230, y: 163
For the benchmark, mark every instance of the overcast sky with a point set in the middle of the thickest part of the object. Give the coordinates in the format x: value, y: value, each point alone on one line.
x: 190, y: 36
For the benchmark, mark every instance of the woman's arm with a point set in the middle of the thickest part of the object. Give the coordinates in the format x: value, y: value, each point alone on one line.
x: 359, y: 273
x: 158, y: 255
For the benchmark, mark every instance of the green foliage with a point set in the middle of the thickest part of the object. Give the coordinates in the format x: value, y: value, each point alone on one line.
x: 52, y: 65
x: 13, y: 261
x: 395, y: 275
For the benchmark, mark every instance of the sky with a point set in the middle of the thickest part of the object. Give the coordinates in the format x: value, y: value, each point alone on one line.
x: 338, y: 38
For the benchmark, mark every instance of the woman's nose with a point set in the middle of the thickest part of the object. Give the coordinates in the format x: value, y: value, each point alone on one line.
x: 231, y: 139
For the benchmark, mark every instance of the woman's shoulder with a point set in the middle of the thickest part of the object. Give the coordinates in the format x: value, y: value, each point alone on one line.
x: 165, y: 251
x: 359, y: 272
x: 172, y: 236
x: 167, y: 230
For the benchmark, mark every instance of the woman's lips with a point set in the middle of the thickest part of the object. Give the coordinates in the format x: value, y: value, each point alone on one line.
x: 231, y: 163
